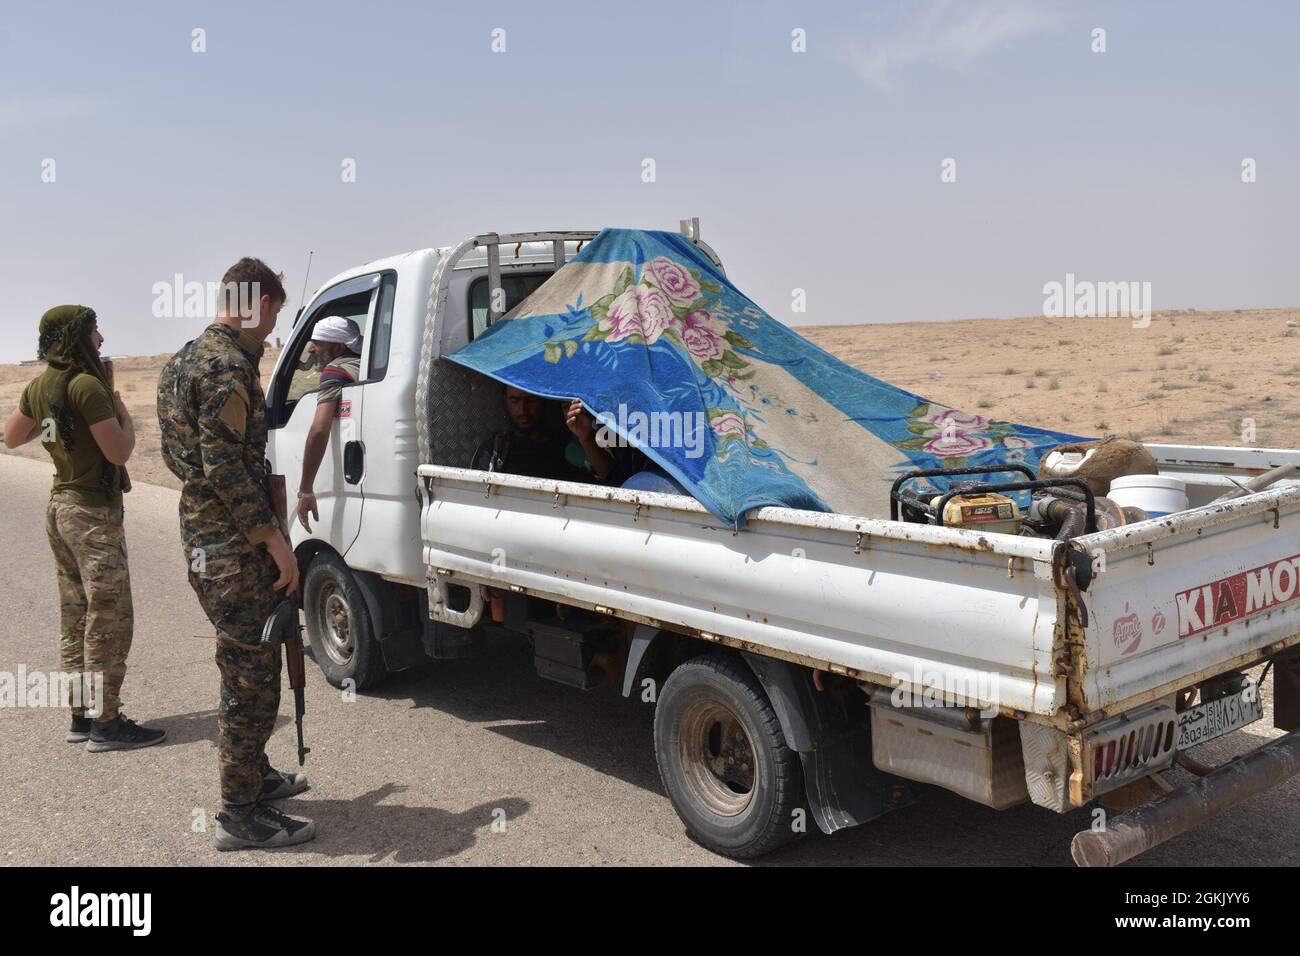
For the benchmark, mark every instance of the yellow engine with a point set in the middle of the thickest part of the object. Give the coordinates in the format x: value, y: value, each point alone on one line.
x: 981, y: 511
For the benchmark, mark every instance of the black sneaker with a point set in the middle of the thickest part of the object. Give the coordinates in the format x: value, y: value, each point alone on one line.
x: 122, y: 733
x: 260, y: 828
x: 79, y: 732
x: 277, y: 785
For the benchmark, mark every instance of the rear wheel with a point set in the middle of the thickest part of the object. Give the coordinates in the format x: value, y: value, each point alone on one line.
x: 723, y: 758
x: 338, y: 624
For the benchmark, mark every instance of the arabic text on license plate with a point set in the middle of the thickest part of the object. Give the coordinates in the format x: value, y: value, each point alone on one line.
x: 1206, y: 721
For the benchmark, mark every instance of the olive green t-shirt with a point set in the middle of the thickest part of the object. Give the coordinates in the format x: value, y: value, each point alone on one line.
x: 80, y: 471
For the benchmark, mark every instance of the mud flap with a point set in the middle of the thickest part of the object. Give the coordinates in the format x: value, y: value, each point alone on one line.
x: 844, y: 787
x: 399, y: 645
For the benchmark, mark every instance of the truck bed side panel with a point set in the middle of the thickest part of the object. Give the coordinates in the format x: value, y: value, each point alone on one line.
x: 938, y: 605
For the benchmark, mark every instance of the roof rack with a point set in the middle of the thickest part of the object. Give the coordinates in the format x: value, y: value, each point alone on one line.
x: 492, y: 242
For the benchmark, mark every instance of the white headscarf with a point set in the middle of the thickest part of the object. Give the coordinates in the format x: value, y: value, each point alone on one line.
x: 336, y: 329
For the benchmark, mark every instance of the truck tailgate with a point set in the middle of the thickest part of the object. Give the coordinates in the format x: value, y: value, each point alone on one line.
x: 1177, y: 599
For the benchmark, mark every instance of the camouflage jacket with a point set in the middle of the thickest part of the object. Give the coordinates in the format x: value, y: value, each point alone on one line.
x: 212, y: 415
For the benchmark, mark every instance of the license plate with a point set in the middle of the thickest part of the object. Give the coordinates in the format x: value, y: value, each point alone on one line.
x: 1206, y: 721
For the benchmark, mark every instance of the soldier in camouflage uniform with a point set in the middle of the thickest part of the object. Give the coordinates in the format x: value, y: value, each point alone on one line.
x: 89, y: 435
x: 212, y: 414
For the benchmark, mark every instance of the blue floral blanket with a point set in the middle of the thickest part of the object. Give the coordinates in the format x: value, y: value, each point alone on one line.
x: 672, y: 358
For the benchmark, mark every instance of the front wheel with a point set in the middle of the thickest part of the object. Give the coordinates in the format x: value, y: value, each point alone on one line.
x: 338, y: 624
x: 723, y: 758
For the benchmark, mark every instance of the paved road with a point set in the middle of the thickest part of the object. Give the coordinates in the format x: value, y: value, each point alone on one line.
x: 414, y: 772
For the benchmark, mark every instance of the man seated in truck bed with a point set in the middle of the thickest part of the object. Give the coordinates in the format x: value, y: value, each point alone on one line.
x: 532, y: 447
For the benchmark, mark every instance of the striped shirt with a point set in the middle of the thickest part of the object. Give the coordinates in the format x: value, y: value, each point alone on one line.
x: 342, y: 371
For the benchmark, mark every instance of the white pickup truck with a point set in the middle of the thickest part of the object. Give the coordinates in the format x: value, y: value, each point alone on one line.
x: 810, y: 664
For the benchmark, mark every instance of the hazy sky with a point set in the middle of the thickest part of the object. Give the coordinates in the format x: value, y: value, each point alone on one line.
x: 817, y: 170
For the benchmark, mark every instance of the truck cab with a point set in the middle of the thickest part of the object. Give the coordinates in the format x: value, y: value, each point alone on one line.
x: 363, y: 572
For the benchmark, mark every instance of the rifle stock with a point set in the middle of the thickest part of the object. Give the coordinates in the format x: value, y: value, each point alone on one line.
x: 277, y: 490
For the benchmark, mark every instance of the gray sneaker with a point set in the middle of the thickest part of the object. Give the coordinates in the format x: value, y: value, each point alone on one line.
x: 122, y: 733
x: 277, y: 785
x: 260, y: 828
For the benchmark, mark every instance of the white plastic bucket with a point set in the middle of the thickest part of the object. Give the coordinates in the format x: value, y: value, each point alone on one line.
x: 1155, y: 494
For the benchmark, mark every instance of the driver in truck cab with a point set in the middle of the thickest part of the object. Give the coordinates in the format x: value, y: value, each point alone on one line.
x: 335, y: 349
x: 531, y: 448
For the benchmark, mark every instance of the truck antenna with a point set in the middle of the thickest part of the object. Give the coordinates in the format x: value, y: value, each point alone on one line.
x: 302, y: 300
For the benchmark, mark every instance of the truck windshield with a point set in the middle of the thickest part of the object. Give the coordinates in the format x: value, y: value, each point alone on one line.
x: 516, y: 287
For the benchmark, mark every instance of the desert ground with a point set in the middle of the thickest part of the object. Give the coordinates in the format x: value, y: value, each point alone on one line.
x: 136, y: 380
x: 1189, y: 377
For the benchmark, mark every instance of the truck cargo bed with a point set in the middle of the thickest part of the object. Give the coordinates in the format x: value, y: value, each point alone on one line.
x: 980, y: 615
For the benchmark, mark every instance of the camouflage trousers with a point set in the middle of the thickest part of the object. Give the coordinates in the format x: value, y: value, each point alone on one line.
x: 96, y: 615
x: 235, y: 593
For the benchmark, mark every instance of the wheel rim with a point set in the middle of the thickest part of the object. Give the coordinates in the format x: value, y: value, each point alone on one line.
x: 718, y: 758
x: 336, y: 628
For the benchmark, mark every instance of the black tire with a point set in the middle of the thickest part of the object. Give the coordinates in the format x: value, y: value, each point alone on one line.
x: 704, y: 709
x: 338, y: 624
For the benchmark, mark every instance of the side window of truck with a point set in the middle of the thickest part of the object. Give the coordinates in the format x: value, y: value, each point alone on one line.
x: 306, y: 377
x: 516, y: 289
x: 298, y: 376
x: 382, y: 328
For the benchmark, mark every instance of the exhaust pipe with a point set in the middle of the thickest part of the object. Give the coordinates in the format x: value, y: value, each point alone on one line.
x: 1144, y: 827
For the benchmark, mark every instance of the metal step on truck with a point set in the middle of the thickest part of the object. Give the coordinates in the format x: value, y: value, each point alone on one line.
x: 811, y: 664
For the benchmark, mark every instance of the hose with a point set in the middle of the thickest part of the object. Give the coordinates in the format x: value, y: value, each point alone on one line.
x: 1072, y: 524
x: 1069, y: 519
x: 1072, y: 520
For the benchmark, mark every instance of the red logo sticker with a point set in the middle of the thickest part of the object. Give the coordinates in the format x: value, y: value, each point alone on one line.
x: 1127, y: 632
x: 1238, y: 595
